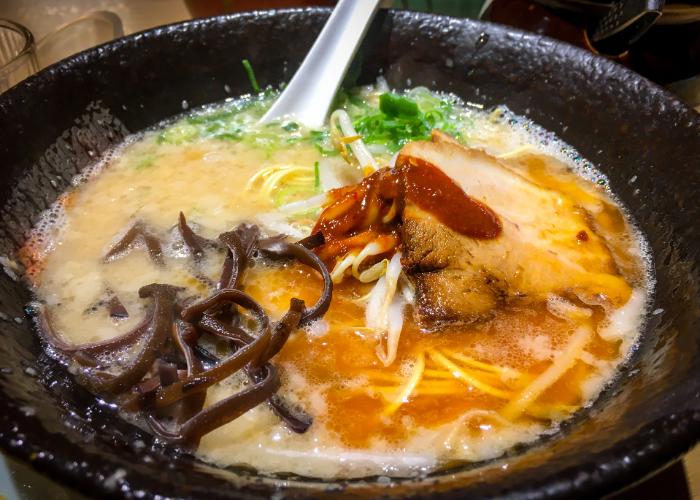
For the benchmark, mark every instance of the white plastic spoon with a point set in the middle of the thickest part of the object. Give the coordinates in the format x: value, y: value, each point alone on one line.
x: 310, y: 93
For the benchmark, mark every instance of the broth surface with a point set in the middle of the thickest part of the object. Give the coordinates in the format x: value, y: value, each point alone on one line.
x: 364, y: 423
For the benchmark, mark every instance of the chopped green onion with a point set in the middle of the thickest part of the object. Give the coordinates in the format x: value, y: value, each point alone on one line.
x: 145, y: 162
x: 179, y: 133
x: 395, y: 105
x: 251, y: 75
x: 317, y: 176
x: 396, y: 120
x: 321, y: 141
x: 400, y: 120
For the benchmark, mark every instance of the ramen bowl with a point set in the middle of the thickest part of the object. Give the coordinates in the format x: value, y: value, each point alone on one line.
x: 646, y: 142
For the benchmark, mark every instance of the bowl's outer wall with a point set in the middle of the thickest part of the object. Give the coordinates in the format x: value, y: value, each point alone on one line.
x: 647, y: 143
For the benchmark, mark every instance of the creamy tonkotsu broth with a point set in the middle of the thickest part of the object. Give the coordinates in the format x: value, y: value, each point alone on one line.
x: 444, y: 342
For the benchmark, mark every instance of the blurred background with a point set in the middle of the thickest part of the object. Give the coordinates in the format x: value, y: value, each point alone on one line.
x: 658, y: 38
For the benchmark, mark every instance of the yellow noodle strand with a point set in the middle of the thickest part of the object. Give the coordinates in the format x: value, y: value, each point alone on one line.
x: 410, y: 386
x: 466, y: 417
x: 563, y: 363
x: 487, y: 378
x: 453, y: 389
x: 501, y: 370
x: 349, y: 138
x: 269, y: 178
x: 442, y: 374
x: 462, y: 375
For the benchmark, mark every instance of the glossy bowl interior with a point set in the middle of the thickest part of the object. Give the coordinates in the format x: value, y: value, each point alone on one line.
x: 648, y: 144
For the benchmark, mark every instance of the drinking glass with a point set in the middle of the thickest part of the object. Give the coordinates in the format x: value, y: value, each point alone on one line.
x: 17, y: 54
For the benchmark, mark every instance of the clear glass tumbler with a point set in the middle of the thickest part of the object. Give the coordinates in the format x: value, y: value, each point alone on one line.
x: 17, y: 54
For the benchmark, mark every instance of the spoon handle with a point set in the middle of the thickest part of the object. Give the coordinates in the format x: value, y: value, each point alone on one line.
x: 310, y: 93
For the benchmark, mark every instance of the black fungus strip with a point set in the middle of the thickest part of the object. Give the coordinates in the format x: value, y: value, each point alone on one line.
x: 295, y: 418
x: 190, y: 239
x: 194, y: 242
x: 284, y: 327
x: 194, y: 403
x: 164, y: 302
x: 313, y: 241
x: 194, y: 312
x: 49, y: 335
x: 235, y: 262
x: 149, y: 385
x: 249, y: 236
x: 123, y: 245
x: 137, y: 231
x: 250, y: 353
x: 167, y: 372
x: 155, y: 252
x: 230, y: 408
x: 240, y: 244
x: 152, y: 381
x: 282, y: 249
x: 226, y: 271
x: 201, y: 381
x: 84, y: 359
x: 116, y: 308
x: 212, y: 325
x: 190, y: 335
x: 184, y: 335
x: 205, y: 354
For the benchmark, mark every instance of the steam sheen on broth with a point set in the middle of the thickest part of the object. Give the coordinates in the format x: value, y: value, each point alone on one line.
x: 438, y: 346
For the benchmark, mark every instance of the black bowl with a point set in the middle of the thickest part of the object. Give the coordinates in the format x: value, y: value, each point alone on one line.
x: 646, y: 141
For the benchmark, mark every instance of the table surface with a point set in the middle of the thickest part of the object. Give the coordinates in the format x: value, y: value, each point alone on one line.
x: 18, y: 480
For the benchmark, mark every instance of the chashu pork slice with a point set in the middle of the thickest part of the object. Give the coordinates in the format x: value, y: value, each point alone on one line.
x: 546, y: 245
